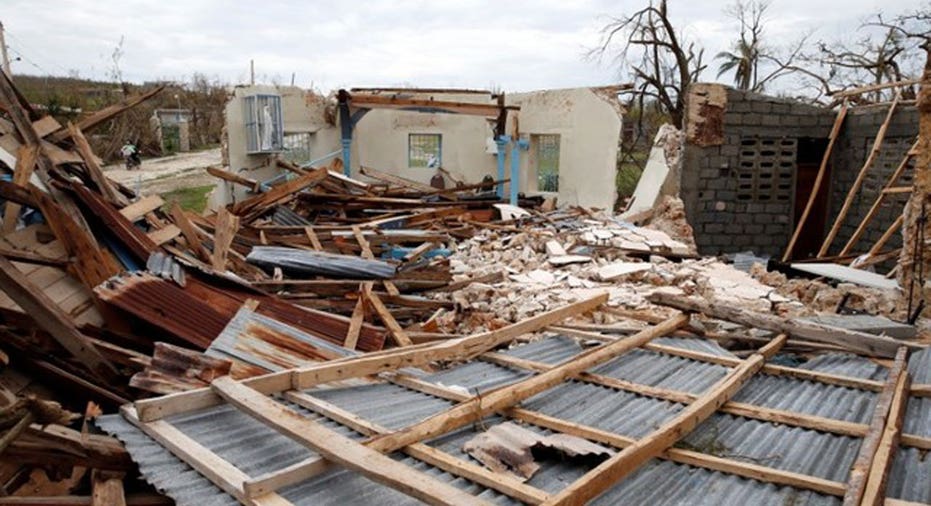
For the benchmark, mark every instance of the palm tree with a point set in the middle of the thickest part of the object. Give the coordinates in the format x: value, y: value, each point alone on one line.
x: 743, y: 61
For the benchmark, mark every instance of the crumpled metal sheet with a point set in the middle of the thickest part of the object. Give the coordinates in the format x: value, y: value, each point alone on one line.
x: 299, y: 262
x: 509, y: 448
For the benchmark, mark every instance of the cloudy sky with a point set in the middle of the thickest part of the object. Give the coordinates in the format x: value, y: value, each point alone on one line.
x: 515, y: 45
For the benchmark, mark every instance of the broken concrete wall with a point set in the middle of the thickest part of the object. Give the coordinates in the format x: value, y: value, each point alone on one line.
x: 738, y: 176
x: 853, y: 148
x: 588, y: 122
x: 302, y: 112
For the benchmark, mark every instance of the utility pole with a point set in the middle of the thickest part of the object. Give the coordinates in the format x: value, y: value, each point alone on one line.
x: 915, y: 260
x: 6, y: 59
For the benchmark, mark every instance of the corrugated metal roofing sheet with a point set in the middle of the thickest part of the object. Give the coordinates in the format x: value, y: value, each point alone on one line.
x: 910, y: 478
x: 258, y: 449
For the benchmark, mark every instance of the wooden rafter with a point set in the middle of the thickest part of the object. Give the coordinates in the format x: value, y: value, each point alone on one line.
x: 858, y: 182
x: 655, y: 443
x: 819, y: 180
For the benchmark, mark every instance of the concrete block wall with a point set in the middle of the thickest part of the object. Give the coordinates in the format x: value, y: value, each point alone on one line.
x: 853, y: 148
x: 736, y: 194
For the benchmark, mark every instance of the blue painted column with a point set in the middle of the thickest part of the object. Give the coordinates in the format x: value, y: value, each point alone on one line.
x: 502, y: 142
x: 519, y: 144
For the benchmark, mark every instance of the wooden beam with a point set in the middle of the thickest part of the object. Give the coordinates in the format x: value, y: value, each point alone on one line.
x: 51, y: 318
x: 340, y: 449
x: 476, y: 408
x: 21, y: 255
x: 888, y: 444
x: 877, y: 204
x: 189, y: 232
x: 221, y: 473
x: 397, y: 333
x: 107, y: 489
x: 862, y: 466
x: 226, y: 226
x: 142, y: 207
x: 857, y: 342
x: 232, y: 177
x: 609, y: 472
x: 314, y: 240
x: 819, y: 180
x: 371, y: 101
x: 357, y: 318
x: 368, y: 364
x: 25, y: 164
x: 873, y: 87
x: 887, y: 235
x: 858, y: 182
x: 94, y: 172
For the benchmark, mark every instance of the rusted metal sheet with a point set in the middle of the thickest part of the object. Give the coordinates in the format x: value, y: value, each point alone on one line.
x: 263, y: 342
x: 176, y: 369
x: 165, y: 305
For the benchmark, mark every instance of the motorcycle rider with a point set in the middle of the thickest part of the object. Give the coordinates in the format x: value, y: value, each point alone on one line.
x: 131, y: 154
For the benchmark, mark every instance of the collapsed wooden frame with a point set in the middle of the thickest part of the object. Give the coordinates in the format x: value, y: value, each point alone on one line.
x: 370, y: 457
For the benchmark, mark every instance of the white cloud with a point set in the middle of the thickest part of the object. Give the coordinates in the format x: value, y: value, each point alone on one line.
x: 518, y: 45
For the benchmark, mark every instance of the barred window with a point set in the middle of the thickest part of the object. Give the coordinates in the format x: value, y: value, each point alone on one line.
x: 547, y: 162
x: 264, y: 129
x: 424, y: 150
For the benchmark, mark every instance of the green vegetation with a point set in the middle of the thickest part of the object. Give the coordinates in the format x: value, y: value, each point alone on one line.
x: 628, y: 173
x: 192, y: 199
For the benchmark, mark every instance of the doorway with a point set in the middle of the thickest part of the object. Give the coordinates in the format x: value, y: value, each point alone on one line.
x: 809, y: 155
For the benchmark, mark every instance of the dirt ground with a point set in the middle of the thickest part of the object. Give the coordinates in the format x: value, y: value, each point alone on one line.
x: 161, y: 175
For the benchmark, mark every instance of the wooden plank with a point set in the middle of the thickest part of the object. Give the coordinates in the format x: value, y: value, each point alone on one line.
x: 142, y: 207
x: 857, y: 342
x: 358, y: 315
x: 873, y: 87
x: 190, y: 232
x: 232, y: 177
x: 888, y: 444
x: 689, y: 457
x: 396, y: 180
x: 921, y: 390
x: 226, y: 226
x: 367, y: 253
x: 397, y: 333
x: 162, y: 235
x: 887, y: 235
x: 340, y: 449
x: 77, y: 500
x: 107, y: 489
x: 501, y: 482
x: 25, y: 164
x: 476, y: 408
x: 368, y: 364
x: 819, y: 179
x: 220, y: 472
x: 858, y: 182
x: 371, y: 101
x: 860, y: 472
x: 312, y: 237
x: 49, y: 317
x: 609, y: 472
x: 94, y: 171
x: 10, y: 101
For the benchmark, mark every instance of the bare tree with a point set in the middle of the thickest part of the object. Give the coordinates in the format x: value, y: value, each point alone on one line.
x: 660, y: 61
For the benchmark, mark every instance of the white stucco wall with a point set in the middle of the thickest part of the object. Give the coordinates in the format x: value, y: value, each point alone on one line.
x: 589, y: 126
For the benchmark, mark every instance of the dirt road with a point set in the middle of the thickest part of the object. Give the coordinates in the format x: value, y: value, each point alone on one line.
x: 160, y: 175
